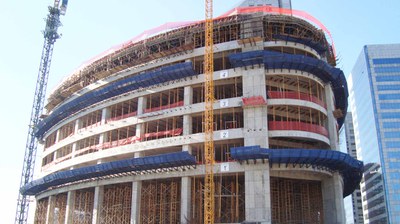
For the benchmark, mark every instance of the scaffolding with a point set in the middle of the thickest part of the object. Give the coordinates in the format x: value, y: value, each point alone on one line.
x: 229, y: 199
x: 83, y: 206
x: 164, y: 100
x: 50, y: 140
x: 64, y: 153
x: 185, y: 39
x: 123, y: 110
x: 221, y: 150
x: 87, y: 145
x: 90, y: 120
x: 41, y: 211
x: 160, y: 201
x: 162, y: 128
x: 60, y: 208
x: 223, y: 120
x: 296, y: 201
x: 223, y: 89
x: 66, y: 131
x: 116, y: 206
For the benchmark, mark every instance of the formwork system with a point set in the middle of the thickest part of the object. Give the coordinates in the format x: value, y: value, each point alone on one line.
x: 83, y: 206
x: 296, y: 201
x: 60, y: 208
x: 186, y: 39
x: 116, y: 206
x: 221, y: 149
x: 228, y: 197
x: 41, y: 211
x: 160, y: 201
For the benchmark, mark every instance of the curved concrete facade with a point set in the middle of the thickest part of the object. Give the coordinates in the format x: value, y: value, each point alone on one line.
x: 286, y: 108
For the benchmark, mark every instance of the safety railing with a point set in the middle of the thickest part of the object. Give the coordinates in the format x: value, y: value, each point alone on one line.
x: 297, y: 96
x: 89, y: 127
x: 173, y: 132
x: 297, y: 126
x: 169, y: 106
x: 132, y: 114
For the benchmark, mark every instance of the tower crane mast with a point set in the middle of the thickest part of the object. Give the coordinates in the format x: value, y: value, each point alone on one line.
x: 209, y: 114
x: 50, y: 36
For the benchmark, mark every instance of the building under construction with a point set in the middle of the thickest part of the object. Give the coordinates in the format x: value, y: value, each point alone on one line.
x: 123, y: 137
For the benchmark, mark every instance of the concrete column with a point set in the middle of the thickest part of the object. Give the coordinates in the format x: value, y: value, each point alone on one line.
x: 140, y: 131
x: 187, y: 118
x: 77, y: 125
x: 105, y: 114
x: 187, y: 95
x: 330, y: 105
x: 257, y: 193
x: 55, y: 155
x: 50, y: 209
x: 74, y: 145
x: 136, y: 195
x: 135, y: 207
x: 187, y: 124
x: 69, y: 213
x: 141, y: 105
x: 332, y: 194
x: 57, y: 135
x: 255, y: 117
x: 98, y: 201
x: 186, y: 183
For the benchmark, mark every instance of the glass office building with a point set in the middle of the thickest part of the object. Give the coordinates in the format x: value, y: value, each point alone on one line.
x: 375, y: 103
x: 351, y: 149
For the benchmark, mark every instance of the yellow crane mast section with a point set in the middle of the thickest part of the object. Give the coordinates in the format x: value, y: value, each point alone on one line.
x: 209, y: 115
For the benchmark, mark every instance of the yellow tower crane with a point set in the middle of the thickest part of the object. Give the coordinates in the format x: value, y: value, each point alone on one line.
x: 209, y: 115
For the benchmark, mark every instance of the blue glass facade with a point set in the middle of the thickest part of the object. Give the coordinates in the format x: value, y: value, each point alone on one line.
x: 375, y: 103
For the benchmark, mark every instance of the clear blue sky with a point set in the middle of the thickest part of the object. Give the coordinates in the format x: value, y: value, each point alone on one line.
x: 92, y: 26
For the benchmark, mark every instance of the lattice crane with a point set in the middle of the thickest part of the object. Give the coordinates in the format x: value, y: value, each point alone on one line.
x: 50, y: 36
x: 209, y: 114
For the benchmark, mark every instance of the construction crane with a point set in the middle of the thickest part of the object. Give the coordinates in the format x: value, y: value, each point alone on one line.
x: 50, y: 36
x: 209, y: 115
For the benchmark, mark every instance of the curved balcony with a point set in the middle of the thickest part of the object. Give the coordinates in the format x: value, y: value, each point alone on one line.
x: 297, y: 126
x: 296, y: 96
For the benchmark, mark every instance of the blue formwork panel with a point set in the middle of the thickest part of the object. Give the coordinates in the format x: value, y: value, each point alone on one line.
x: 350, y: 168
x: 248, y: 153
x: 319, y: 47
x: 94, y: 171
x: 116, y: 88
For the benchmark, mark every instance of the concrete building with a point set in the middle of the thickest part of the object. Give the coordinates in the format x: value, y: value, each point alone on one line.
x: 352, y: 151
x: 124, y: 136
x: 375, y: 102
x: 373, y: 195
